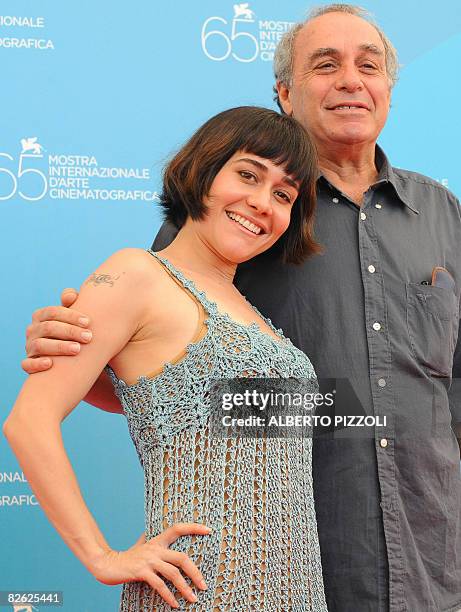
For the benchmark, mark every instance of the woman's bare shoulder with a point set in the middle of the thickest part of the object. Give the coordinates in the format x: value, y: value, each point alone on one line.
x: 125, y: 283
x: 134, y: 264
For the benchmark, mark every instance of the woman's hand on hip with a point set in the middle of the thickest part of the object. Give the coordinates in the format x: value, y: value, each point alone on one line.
x: 153, y: 560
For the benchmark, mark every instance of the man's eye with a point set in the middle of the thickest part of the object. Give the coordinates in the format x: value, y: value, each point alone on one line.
x: 326, y: 65
x: 369, y: 66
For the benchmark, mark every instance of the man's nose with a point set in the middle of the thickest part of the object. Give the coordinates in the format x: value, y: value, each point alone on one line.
x: 349, y: 79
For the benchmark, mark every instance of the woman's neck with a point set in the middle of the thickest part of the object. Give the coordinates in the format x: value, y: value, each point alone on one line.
x: 192, y: 254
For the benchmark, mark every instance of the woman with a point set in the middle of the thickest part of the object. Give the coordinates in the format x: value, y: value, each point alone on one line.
x: 243, y: 181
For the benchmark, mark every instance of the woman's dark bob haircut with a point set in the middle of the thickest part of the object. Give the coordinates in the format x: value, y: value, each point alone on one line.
x: 279, y: 138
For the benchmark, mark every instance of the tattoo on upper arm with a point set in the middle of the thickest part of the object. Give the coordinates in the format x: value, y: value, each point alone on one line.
x: 102, y: 279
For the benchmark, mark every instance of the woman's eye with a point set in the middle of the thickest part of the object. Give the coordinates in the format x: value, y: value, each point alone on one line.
x: 247, y: 175
x: 283, y: 196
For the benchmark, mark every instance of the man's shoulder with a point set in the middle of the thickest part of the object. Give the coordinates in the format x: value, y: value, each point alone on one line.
x: 414, y: 180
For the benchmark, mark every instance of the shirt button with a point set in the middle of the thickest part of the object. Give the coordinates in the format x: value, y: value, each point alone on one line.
x: 376, y: 326
x: 378, y: 206
x: 383, y: 442
x: 363, y: 216
x: 371, y: 269
x: 335, y: 200
x: 382, y: 382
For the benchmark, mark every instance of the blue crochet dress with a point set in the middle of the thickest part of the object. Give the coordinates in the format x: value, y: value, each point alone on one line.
x: 256, y: 493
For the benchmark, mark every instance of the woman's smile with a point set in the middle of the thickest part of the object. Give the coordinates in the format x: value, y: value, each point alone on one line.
x: 247, y: 225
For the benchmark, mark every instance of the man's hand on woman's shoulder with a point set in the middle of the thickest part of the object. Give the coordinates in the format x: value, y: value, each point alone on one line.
x: 55, y: 330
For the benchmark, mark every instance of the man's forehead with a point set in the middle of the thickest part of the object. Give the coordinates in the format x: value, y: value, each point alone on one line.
x: 337, y: 31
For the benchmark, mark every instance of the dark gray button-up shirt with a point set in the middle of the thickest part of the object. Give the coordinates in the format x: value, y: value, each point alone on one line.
x: 388, y: 499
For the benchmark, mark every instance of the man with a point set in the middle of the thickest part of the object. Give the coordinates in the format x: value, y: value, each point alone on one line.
x: 379, y: 308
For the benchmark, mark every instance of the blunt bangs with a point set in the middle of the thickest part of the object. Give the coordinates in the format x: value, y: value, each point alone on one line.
x: 282, y: 142
x: 188, y: 177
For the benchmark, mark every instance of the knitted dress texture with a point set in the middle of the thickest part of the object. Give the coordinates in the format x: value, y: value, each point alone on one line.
x: 255, y: 493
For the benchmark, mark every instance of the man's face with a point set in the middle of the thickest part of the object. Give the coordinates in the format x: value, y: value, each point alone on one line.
x: 340, y: 89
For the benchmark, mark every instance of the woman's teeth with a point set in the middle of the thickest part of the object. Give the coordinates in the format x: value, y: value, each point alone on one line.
x: 250, y: 226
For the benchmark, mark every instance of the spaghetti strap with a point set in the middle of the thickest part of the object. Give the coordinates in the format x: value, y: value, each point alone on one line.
x: 187, y: 283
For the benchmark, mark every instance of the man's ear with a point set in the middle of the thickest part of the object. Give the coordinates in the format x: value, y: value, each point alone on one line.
x: 284, y: 98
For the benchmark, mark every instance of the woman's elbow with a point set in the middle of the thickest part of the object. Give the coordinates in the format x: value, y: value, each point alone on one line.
x: 5, y: 427
x: 18, y: 429
x: 12, y: 428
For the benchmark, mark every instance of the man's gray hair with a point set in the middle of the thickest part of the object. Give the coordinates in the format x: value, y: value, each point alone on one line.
x: 284, y: 54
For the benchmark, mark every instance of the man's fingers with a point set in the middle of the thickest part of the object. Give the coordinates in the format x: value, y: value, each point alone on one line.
x: 187, y: 565
x: 61, y: 314
x: 33, y: 365
x: 44, y: 347
x: 60, y: 331
x: 172, y: 533
x: 68, y: 297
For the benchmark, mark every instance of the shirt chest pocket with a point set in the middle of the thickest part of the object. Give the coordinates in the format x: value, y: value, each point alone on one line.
x: 432, y: 322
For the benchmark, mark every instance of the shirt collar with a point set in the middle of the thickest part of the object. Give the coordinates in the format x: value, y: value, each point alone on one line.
x: 387, y: 175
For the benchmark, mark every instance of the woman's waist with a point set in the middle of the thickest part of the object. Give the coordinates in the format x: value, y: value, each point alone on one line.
x: 228, y: 482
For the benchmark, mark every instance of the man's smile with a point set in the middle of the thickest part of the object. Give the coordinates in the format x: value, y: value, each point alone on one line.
x: 348, y: 106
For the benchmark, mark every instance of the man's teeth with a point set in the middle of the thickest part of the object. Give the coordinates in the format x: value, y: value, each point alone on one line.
x: 341, y: 107
x: 250, y: 226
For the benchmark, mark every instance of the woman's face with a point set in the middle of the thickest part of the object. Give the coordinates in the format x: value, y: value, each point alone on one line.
x: 249, y: 206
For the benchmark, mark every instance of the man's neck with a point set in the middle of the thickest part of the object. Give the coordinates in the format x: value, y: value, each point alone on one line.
x: 350, y: 170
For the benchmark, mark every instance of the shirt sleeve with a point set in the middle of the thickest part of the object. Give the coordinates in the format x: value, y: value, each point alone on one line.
x: 454, y: 394
x: 166, y: 234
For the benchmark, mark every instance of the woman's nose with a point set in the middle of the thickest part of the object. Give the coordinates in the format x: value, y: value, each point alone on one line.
x: 261, y: 201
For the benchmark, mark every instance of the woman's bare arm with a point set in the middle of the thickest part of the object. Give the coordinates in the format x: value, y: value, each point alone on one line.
x: 33, y: 430
x: 62, y: 330
x: 33, y: 427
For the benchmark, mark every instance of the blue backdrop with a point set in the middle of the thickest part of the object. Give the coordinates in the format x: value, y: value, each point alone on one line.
x: 95, y: 96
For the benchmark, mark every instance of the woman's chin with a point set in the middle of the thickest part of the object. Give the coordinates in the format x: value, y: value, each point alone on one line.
x: 240, y: 253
